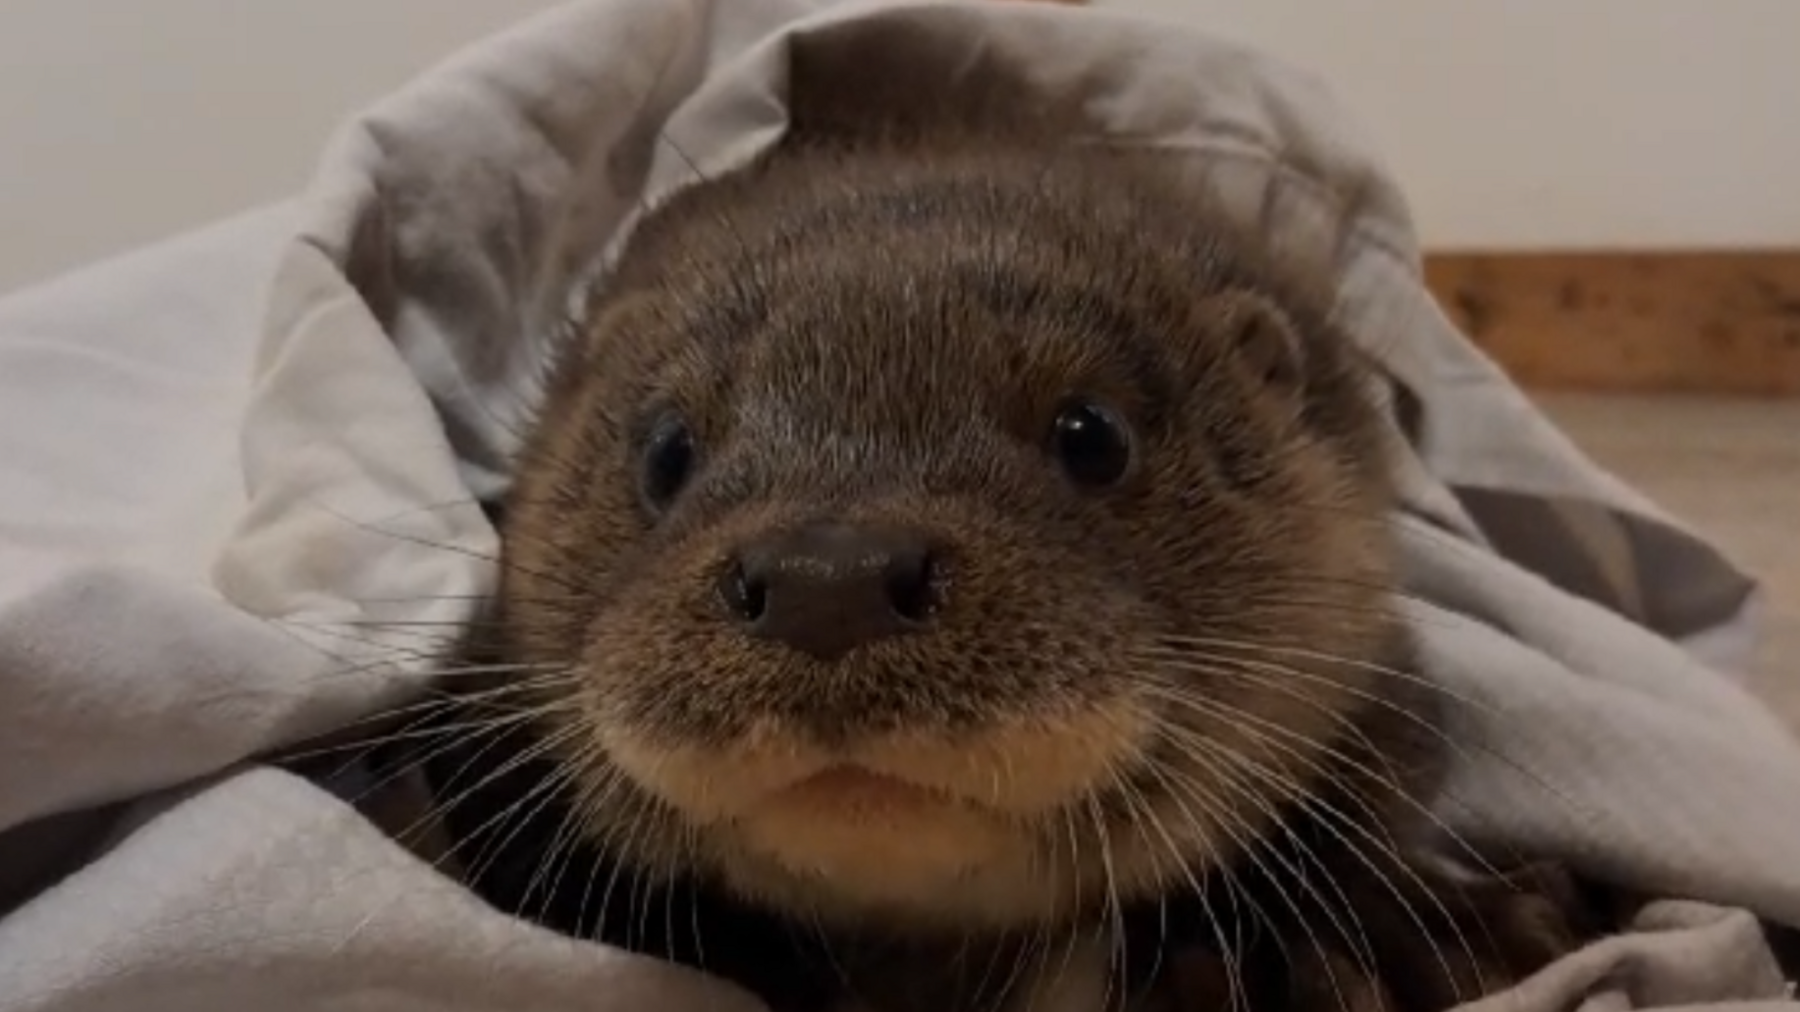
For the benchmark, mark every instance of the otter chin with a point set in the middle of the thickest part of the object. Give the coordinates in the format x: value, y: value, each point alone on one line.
x: 927, y: 827
x: 875, y: 840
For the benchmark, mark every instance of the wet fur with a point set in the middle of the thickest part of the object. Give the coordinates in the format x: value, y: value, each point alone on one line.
x: 1174, y: 727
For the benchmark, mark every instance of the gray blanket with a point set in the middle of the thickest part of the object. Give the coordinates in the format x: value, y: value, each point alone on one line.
x: 237, y: 475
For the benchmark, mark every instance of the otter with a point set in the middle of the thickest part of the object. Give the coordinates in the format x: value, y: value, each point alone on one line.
x: 949, y: 572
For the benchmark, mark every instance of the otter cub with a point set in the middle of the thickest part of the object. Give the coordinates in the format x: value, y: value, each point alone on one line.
x: 954, y: 574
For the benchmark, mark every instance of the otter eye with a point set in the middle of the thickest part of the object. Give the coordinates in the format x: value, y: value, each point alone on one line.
x: 1092, y: 444
x: 668, y: 461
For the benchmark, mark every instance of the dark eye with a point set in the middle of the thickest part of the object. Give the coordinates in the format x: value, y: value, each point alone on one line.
x: 668, y: 461
x: 1092, y: 444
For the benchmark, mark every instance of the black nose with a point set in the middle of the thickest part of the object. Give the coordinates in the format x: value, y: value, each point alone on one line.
x: 826, y: 589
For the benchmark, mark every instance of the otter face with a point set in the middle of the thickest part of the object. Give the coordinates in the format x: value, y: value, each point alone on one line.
x: 965, y: 540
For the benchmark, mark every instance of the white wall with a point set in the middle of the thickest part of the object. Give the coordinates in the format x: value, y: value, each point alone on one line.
x: 1566, y: 122
x: 1511, y: 122
x: 122, y: 120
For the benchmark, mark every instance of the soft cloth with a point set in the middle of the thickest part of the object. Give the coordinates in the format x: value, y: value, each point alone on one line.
x: 237, y: 509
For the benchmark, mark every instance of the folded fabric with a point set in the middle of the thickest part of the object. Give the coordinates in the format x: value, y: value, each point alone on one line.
x: 239, y: 474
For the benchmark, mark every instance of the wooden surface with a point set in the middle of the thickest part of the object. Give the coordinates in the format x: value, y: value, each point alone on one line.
x: 1724, y: 322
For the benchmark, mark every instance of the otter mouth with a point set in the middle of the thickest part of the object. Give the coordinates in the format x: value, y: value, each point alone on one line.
x: 944, y: 828
x: 847, y: 833
x: 850, y: 788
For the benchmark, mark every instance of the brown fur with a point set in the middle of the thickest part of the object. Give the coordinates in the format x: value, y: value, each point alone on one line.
x: 1127, y: 694
x: 821, y: 386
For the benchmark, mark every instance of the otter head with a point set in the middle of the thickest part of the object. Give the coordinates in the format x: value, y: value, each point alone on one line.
x: 967, y: 536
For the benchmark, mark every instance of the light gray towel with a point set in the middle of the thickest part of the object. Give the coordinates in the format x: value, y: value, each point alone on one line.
x: 237, y: 470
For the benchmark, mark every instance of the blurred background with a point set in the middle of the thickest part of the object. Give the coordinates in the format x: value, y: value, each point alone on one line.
x: 1524, y: 124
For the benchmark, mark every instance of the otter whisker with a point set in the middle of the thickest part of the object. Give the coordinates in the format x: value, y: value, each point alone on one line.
x: 1274, y: 676
x: 363, y: 732
x: 1136, y: 799
x: 1265, y: 609
x: 447, y: 802
x: 569, y: 772
x: 420, y: 720
x: 538, y: 679
x: 722, y: 215
x: 1256, y: 848
x: 691, y: 851
x: 438, y: 863
x: 1265, y: 731
x: 1229, y: 953
x: 537, y: 685
x: 625, y: 848
x: 367, y: 632
x: 1039, y: 940
x: 1140, y: 815
x: 669, y: 875
x: 527, y: 669
x: 443, y: 672
x: 536, y: 750
x: 592, y: 799
x: 1018, y: 957
x: 399, y: 660
x: 558, y: 854
x: 527, y: 807
x: 425, y: 508
x: 1276, y: 679
x: 477, y: 599
x: 1114, y: 903
x: 1072, y: 938
x: 1384, y: 875
x: 337, y: 630
x: 642, y: 890
x: 572, y: 830
x: 459, y: 628
x: 824, y: 940
x: 1179, y: 641
x: 625, y: 870
x: 554, y: 580
x: 1043, y: 942
x: 447, y: 744
x: 1219, y: 664
x: 1312, y: 801
x: 1196, y: 747
x: 1381, y: 594
x: 1293, y: 793
x: 418, y: 729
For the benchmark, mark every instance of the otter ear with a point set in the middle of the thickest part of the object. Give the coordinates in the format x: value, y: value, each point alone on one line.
x: 1265, y: 339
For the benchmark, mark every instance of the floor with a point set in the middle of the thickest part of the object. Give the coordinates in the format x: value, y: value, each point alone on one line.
x: 1731, y: 469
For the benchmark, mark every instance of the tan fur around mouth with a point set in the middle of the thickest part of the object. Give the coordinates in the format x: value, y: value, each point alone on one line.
x: 912, y: 821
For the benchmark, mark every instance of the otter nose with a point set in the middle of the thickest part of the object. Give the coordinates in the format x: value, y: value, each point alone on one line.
x: 827, y: 588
